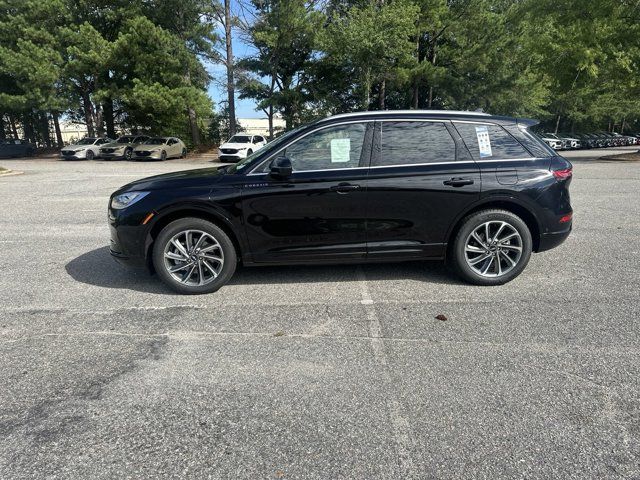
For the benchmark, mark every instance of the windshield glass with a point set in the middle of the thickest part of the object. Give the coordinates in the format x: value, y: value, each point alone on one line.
x: 155, y: 141
x: 125, y: 140
x: 267, y: 149
x: 240, y: 139
x: 87, y: 141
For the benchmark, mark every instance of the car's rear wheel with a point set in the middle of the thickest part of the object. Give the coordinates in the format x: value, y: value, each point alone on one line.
x: 194, y: 256
x: 90, y: 155
x: 492, y: 247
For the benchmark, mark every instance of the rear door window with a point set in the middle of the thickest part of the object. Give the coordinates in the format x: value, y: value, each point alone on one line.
x: 414, y: 142
x: 490, y: 142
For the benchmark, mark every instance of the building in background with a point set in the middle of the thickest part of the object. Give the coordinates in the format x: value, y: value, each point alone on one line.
x: 260, y: 126
x: 71, y: 132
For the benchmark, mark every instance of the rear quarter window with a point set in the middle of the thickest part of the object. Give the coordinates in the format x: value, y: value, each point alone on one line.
x: 490, y: 142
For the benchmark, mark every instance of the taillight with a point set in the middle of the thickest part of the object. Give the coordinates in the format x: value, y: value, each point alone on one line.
x: 563, y: 174
x: 566, y: 218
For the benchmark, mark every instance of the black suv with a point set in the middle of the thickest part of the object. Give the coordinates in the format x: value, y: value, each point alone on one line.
x: 479, y: 191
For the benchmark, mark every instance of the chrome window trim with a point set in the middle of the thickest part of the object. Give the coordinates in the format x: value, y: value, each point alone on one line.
x: 425, y: 119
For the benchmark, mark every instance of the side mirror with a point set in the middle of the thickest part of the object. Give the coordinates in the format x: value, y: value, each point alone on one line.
x: 281, y: 168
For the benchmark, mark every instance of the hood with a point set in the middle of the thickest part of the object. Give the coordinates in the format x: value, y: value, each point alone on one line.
x: 237, y: 146
x: 114, y: 145
x: 149, y: 146
x: 187, y: 178
x: 76, y: 147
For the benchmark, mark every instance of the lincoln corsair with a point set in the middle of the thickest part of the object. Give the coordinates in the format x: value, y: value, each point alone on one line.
x: 478, y: 191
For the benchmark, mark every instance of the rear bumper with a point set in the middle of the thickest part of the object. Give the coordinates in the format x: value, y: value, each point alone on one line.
x: 552, y: 240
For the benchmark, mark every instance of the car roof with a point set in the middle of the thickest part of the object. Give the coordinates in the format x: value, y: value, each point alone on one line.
x: 431, y: 114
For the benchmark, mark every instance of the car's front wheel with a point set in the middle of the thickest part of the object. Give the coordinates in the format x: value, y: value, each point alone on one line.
x: 128, y: 153
x: 90, y: 155
x: 492, y: 247
x: 193, y: 256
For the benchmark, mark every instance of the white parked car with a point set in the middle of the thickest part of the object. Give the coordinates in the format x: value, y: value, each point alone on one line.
x: 87, y: 148
x: 240, y: 146
x: 554, y: 143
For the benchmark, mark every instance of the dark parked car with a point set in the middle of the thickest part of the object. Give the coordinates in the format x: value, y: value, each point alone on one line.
x: 476, y: 190
x: 16, y: 148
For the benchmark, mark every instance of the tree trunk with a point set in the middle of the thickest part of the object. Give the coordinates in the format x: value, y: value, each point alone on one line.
x: 107, y: 109
x: 270, y: 116
x: 56, y: 125
x: 193, y: 126
x: 3, y: 135
x: 14, y: 130
x: 557, y: 125
x: 44, y: 129
x: 88, y: 114
x: 381, y: 94
x: 433, y: 62
x: 27, y: 128
x: 229, y: 64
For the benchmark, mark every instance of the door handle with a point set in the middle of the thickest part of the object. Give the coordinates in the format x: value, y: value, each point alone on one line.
x: 458, y: 182
x: 344, y: 188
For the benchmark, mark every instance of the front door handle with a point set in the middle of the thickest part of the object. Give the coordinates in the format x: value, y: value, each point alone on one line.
x: 344, y: 188
x: 458, y: 182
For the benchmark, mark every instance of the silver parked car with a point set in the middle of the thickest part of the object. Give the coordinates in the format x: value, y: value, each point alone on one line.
x: 123, y: 147
x: 160, y: 148
x: 87, y: 148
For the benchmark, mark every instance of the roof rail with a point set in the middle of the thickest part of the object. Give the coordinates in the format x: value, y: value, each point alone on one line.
x: 429, y: 112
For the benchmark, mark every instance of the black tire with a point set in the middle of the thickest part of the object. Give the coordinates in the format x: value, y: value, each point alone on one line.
x: 128, y: 154
x: 184, y: 153
x: 90, y: 155
x: 226, y: 248
x: 496, y: 254
x: 249, y: 152
x: 163, y: 156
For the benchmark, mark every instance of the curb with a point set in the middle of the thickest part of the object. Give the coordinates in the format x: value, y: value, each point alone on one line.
x: 10, y: 173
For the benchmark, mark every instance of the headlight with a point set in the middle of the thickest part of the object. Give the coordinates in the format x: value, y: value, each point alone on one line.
x: 125, y: 199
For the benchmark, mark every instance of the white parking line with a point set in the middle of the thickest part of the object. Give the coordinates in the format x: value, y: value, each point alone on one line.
x: 401, y: 428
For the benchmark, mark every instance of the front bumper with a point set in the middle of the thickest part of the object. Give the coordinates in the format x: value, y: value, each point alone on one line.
x: 232, y: 157
x: 74, y: 156
x: 146, y: 156
x: 112, y: 155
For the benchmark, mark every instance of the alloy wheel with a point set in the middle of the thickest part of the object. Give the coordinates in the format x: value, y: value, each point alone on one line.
x: 493, y: 249
x: 193, y: 257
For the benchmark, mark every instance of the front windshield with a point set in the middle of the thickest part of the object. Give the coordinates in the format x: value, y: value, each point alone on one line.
x: 267, y: 149
x: 124, y: 140
x: 240, y: 139
x: 87, y: 141
x: 155, y: 141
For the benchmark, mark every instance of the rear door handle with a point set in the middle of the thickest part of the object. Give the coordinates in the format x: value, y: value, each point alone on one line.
x: 345, y: 188
x: 458, y: 182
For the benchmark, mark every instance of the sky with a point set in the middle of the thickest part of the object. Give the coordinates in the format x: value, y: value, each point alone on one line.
x: 217, y: 89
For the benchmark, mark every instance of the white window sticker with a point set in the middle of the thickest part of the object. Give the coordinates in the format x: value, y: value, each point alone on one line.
x: 340, y: 149
x: 484, y: 142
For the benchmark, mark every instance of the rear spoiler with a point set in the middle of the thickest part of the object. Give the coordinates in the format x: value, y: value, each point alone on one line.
x: 527, y: 122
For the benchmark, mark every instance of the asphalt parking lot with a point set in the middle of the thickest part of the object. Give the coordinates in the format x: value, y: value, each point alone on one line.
x: 313, y: 372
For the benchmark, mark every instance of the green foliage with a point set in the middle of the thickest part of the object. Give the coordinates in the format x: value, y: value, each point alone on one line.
x: 139, y: 64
